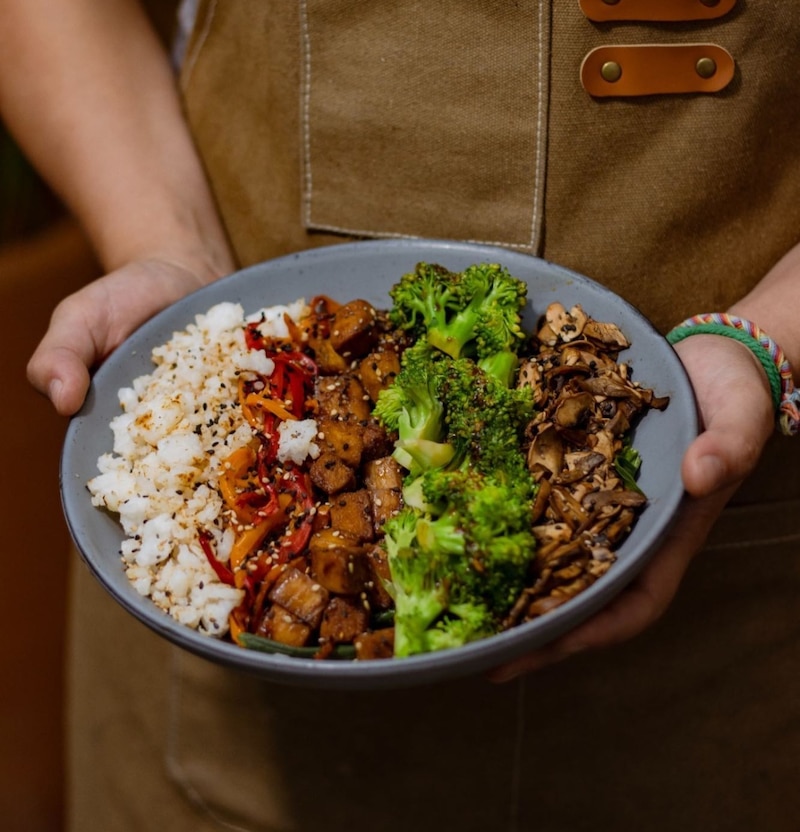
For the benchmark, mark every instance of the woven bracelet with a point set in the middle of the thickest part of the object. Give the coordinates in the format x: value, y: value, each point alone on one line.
x: 785, y: 397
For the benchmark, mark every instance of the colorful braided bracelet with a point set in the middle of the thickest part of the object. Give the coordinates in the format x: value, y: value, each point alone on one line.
x: 785, y: 396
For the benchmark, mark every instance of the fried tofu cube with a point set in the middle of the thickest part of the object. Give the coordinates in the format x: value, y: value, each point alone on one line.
x: 343, y: 397
x: 385, y: 472
x: 344, y: 619
x: 376, y: 645
x: 300, y: 595
x: 354, y: 330
x: 378, y: 370
x: 338, y: 562
x: 377, y: 441
x: 280, y: 625
x: 378, y: 564
x: 342, y: 437
x: 351, y: 512
x: 330, y: 474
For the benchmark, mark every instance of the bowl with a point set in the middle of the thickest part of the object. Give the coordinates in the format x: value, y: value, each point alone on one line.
x: 368, y: 270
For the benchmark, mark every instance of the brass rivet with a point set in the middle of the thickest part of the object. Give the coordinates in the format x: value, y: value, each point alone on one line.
x: 706, y: 67
x: 611, y: 71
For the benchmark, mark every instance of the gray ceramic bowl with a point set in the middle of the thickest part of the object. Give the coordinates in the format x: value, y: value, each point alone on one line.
x: 368, y: 270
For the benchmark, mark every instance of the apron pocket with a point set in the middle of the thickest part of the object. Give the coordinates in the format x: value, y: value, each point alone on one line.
x: 409, y: 130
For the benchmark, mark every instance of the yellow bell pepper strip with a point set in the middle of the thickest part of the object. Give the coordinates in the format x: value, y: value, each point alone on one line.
x: 256, y: 404
x: 236, y: 469
x: 236, y: 630
x: 251, y: 539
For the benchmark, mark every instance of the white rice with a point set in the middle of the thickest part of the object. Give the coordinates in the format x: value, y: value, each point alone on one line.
x: 178, y: 425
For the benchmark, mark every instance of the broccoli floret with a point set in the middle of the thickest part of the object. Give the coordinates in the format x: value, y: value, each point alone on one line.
x: 455, y: 574
x: 417, y: 585
x: 475, y: 313
x: 411, y: 407
x: 484, y: 417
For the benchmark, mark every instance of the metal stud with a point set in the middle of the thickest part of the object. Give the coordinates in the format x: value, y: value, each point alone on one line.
x: 611, y: 71
x: 705, y: 67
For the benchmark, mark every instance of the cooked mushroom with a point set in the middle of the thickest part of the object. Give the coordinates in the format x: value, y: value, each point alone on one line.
x: 587, y: 403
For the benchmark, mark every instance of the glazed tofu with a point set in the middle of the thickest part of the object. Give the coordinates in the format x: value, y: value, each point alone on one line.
x: 385, y: 472
x: 376, y: 645
x: 378, y: 564
x: 343, y: 438
x: 280, y: 625
x: 378, y: 370
x: 354, y: 329
x: 344, y: 619
x: 351, y: 512
x: 343, y: 397
x: 330, y: 474
x: 300, y: 595
x: 338, y: 562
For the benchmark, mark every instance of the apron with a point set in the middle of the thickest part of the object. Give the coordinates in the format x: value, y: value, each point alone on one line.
x: 328, y: 120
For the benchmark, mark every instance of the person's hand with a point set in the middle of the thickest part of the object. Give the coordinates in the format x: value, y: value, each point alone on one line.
x: 737, y: 418
x: 86, y: 326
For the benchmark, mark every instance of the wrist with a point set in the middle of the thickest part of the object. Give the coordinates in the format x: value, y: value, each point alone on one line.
x: 785, y: 397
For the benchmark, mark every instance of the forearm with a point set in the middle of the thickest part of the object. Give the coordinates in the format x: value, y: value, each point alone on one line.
x: 774, y: 305
x: 88, y: 92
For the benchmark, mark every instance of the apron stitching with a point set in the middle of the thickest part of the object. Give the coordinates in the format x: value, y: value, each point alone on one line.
x: 191, y: 59
x: 308, y: 185
x: 354, y: 232
x: 516, y: 758
x: 174, y: 768
x: 539, y: 121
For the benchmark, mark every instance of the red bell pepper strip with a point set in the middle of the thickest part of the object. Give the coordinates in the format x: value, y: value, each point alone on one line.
x: 293, y: 543
x: 222, y: 571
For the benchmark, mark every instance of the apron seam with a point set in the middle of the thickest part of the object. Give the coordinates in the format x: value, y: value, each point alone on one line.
x: 538, y: 159
x: 308, y: 182
x: 398, y: 235
x: 193, y: 53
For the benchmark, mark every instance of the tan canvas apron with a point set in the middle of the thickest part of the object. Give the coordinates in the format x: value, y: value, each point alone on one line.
x: 329, y: 119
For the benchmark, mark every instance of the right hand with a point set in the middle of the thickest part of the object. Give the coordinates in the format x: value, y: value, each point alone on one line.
x: 86, y: 326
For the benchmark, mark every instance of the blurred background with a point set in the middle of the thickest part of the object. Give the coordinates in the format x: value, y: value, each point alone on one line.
x: 43, y: 257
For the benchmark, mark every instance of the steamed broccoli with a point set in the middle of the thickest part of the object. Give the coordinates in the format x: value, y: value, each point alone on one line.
x: 411, y: 407
x: 483, y: 415
x: 474, y: 313
x: 460, y: 550
x: 455, y: 574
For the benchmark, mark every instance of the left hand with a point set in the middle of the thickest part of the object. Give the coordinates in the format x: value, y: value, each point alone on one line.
x: 737, y: 418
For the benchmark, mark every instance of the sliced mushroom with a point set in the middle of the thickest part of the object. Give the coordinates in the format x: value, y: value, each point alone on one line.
x: 607, y: 333
x: 547, y: 450
x: 573, y: 408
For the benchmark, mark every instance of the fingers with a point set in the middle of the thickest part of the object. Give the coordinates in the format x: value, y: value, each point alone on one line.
x: 639, y: 605
x: 737, y: 414
x: 736, y: 409
x: 88, y: 325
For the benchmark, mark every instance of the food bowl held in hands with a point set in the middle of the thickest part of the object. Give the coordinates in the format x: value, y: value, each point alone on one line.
x: 368, y: 270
